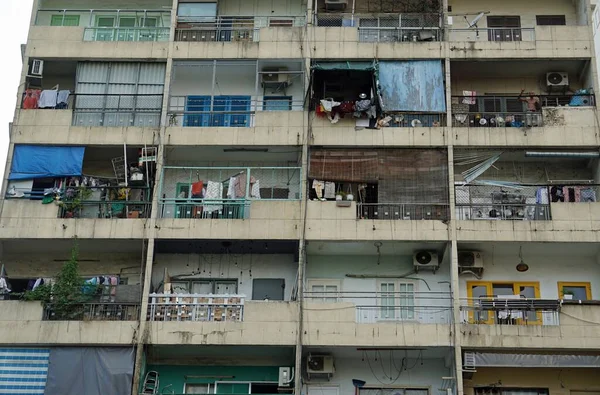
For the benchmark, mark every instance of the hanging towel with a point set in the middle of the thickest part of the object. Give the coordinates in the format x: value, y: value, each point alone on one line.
x: 48, y: 98
x: 197, y: 189
x: 541, y: 196
x: 329, y: 190
x: 588, y: 195
x: 318, y: 186
x: 31, y: 99
x: 214, y: 191
x: 255, y: 191
x: 469, y: 97
x: 62, y: 98
x: 231, y: 187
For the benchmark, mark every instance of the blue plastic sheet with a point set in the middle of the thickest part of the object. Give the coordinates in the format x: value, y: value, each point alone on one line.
x: 412, y: 86
x: 42, y: 161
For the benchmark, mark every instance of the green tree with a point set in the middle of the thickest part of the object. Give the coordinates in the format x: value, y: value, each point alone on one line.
x: 67, y: 292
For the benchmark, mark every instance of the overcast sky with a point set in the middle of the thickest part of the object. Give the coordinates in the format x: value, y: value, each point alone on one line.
x: 14, y: 33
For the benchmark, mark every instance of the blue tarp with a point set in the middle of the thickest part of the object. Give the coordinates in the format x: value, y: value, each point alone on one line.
x: 412, y: 86
x: 42, y: 161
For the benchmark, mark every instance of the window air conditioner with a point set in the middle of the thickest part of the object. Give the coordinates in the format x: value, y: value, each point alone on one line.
x: 275, y: 77
x: 557, y: 78
x: 320, y: 364
x: 37, y: 68
x: 336, y: 4
x: 426, y: 260
x: 471, y: 261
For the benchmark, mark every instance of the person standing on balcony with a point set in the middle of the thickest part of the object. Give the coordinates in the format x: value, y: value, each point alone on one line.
x: 533, y: 105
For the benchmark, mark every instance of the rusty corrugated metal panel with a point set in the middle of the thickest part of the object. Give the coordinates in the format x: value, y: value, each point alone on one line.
x: 412, y: 86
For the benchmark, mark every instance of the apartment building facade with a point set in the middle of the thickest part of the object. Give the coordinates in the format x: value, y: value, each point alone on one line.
x: 304, y: 197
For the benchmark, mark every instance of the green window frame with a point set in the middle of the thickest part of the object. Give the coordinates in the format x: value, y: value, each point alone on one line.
x: 64, y: 20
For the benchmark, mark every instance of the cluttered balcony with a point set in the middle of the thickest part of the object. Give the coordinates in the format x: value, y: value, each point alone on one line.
x: 90, y: 102
x: 353, y: 193
x: 141, y: 31
x: 243, y: 286
x: 362, y: 28
x: 229, y: 198
x: 351, y: 108
x: 229, y: 30
x: 222, y: 101
x: 64, y: 292
x: 87, y: 184
x: 543, y: 299
x: 562, y: 30
x: 549, y: 103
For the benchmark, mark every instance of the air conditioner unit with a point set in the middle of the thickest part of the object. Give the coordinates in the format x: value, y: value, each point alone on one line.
x: 37, y: 68
x: 336, y: 4
x: 275, y: 77
x: 320, y: 364
x: 557, y: 79
x: 285, y: 377
x: 426, y: 260
x: 470, y: 260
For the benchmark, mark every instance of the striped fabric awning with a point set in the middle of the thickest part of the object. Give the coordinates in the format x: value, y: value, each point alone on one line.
x: 23, y: 370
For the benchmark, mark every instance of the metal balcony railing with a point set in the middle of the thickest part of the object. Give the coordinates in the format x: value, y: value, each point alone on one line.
x: 231, y: 28
x: 510, y: 310
x: 403, y: 211
x: 93, y: 17
x: 196, y: 307
x: 224, y: 193
x: 94, y: 312
x: 510, y: 111
x: 105, y: 202
x: 518, y: 202
x: 233, y: 111
x: 501, y: 34
x: 142, y: 110
x: 371, y: 307
x: 387, y: 27
x: 126, y: 34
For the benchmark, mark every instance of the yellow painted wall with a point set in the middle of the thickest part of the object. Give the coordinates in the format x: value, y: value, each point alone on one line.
x: 558, y: 381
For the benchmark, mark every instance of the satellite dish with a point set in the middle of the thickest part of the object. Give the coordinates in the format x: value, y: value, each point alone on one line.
x: 415, y: 123
x: 473, y: 23
x: 483, y: 121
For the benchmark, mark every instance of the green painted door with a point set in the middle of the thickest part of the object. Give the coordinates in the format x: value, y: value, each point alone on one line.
x: 64, y: 20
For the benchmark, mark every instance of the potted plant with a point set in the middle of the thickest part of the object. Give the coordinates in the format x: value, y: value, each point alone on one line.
x: 73, y: 199
x: 568, y: 295
x: 340, y: 195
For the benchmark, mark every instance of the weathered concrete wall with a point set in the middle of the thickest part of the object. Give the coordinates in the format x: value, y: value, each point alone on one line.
x: 52, y: 126
x: 334, y: 324
x: 67, y: 42
x: 325, y: 221
x: 270, y: 128
x: 21, y: 323
x: 268, y: 220
x: 345, y: 133
x: 265, y: 323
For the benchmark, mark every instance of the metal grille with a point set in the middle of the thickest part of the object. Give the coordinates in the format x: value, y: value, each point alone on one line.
x: 95, y: 312
x: 422, y: 307
x: 492, y: 34
x: 204, y: 192
x: 105, y: 202
x: 194, y: 307
x: 126, y: 34
x: 232, y: 28
x: 387, y: 27
x: 117, y: 110
x: 502, y: 203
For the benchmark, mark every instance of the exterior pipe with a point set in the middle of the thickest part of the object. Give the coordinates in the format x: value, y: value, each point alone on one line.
x: 563, y: 154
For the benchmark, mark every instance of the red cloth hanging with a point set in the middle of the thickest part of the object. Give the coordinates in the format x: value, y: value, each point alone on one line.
x: 31, y: 99
x: 197, y: 189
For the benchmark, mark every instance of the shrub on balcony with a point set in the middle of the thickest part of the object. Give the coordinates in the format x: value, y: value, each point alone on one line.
x: 66, y: 292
